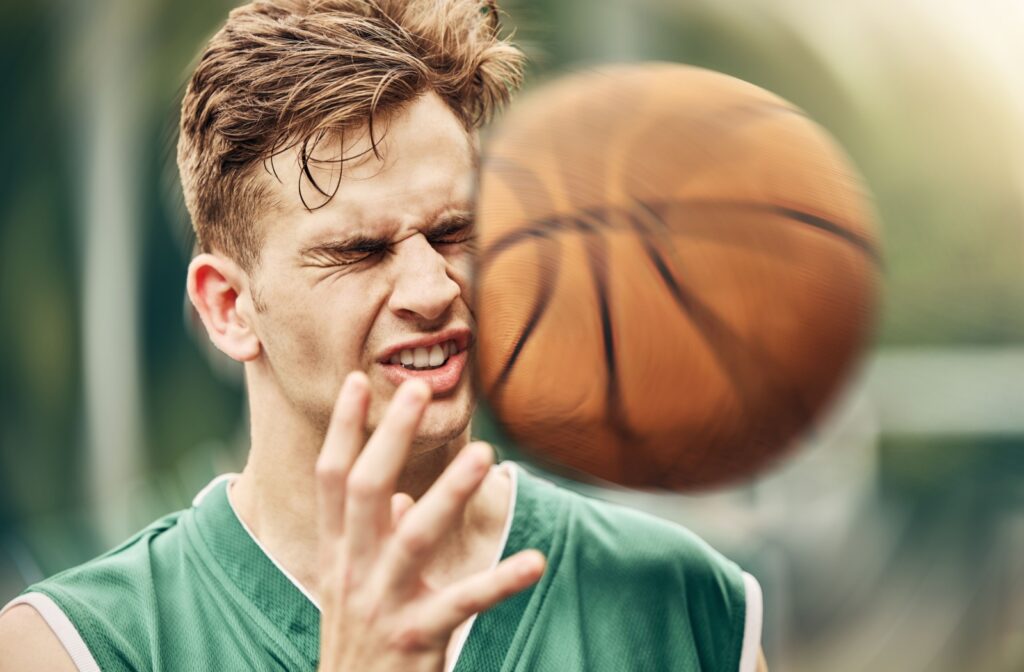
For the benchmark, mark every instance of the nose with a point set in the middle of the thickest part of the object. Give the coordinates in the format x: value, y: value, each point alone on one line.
x: 422, y: 288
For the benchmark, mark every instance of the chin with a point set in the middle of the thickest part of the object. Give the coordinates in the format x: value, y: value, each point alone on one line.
x: 446, y: 419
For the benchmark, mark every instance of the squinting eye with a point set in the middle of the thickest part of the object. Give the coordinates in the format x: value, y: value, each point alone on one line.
x: 351, y: 257
x: 467, y: 239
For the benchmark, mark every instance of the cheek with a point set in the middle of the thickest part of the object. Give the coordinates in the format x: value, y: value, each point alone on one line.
x: 291, y: 339
x: 305, y: 330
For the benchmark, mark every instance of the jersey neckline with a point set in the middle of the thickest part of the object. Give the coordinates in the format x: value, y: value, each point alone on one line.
x: 271, y: 594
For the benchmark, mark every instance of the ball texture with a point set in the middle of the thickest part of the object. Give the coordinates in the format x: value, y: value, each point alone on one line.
x: 676, y: 270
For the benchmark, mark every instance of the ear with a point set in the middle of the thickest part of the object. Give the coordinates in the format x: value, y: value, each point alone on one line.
x: 219, y: 290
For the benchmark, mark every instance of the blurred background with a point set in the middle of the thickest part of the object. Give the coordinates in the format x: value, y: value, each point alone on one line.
x: 893, y: 540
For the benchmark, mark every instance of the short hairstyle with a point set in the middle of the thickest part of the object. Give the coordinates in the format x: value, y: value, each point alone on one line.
x: 284, y: 73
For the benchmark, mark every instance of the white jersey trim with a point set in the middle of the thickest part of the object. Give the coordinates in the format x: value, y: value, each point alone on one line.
x: 230, y: 478
x: 280, y: 567
x: 511, y: 468
x: 201, y: 495
x: 61, y: 626
x: 752, y: 624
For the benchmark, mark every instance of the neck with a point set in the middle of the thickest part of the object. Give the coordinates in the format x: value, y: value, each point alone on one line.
x: 275, y: 495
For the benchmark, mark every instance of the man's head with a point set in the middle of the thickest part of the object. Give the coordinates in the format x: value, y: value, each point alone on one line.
x: 327, y: 153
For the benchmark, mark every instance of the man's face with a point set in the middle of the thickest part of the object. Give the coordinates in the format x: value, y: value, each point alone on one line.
x: 376, y: 279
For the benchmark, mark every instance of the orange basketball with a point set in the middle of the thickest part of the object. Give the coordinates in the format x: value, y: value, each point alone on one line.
x: 676, y: 269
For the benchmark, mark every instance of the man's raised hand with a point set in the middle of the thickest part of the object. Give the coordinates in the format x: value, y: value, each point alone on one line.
x: 378, y: 611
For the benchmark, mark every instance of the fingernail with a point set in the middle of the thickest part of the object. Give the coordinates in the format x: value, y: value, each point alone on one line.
x: 353, y: 383
x: 479, y: 455
x: 416, y: 392
x: 528, y: 564
x: 472, y: 464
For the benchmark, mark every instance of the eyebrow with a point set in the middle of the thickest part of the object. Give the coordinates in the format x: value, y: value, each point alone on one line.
x: 449, y: 221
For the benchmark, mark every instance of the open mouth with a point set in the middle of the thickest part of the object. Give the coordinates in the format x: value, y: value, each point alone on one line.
x: 425, y: 359
x: 437, y: 360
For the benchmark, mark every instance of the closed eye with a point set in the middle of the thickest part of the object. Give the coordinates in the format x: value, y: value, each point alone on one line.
x: 346, y: 255
x: 458, y: 231
x: 454, y: 233
x: 355, y: 256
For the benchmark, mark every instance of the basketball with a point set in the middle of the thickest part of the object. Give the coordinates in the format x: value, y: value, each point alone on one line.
x: 676, y: 271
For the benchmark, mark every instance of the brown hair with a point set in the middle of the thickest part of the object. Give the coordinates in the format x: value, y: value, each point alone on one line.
x: 284, y: 73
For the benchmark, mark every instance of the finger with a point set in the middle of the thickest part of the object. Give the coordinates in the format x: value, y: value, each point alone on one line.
x: 375, y: 474
x: 437, y: 513
x: 453, y: 605
x: 341, y: 446
x: 400, y: 504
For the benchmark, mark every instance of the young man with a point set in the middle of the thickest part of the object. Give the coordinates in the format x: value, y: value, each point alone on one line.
x: 327, y: 154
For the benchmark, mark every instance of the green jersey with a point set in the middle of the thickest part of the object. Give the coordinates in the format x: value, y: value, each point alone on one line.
x: 622, y: 591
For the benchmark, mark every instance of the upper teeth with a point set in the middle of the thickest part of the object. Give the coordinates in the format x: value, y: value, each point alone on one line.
x: 419, y: 358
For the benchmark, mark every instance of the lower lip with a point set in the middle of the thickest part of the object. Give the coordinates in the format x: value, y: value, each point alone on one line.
x: 443, y: 379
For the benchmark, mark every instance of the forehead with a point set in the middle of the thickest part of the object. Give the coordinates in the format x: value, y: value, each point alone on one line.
x: 426, y: 165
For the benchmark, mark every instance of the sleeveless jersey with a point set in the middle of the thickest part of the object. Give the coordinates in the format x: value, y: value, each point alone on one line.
x: 623, y: 590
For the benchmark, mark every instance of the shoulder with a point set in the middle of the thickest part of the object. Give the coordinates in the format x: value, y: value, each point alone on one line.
x: 660, y: 571
x: 94, y: 608
x: 643, y: 542
x: 655, y: 558
x: 123, y: 575
x: 612, y: 535
x: 29, y: 643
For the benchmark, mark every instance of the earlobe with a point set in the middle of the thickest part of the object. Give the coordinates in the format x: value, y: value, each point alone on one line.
x: 218, y: 289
